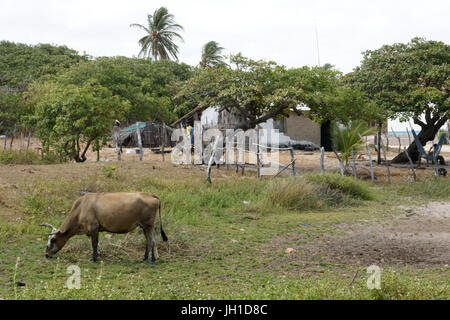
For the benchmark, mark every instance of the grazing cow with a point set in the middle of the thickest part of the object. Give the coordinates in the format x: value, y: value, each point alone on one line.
x: 110, y: 212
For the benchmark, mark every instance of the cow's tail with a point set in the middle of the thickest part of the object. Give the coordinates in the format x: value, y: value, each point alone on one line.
x: 163, y: 234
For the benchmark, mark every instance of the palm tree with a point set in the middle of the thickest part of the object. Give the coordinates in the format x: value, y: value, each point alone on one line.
x: 161, y: 33
x: 349, y: 138
x: 211, y: 55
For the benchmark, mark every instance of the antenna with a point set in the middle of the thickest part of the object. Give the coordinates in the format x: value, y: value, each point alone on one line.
x: 317, y: 42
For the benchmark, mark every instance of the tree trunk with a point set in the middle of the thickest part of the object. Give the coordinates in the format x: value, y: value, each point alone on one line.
x: 427, y: 133
x: 325, y: 136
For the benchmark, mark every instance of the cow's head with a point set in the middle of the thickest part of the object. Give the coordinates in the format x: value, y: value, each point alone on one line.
x: 55, y: 241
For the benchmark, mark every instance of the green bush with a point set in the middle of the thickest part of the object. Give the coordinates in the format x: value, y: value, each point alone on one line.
x: 347, y: 185
x: 314, y: 191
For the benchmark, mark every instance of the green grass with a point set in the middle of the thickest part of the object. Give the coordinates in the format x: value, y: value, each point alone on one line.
x: 27, y: 157
x: 219, y: 247
x: 434, y: 188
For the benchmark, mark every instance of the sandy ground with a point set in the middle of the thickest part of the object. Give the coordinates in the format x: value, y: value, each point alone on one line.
x: 418, y: 236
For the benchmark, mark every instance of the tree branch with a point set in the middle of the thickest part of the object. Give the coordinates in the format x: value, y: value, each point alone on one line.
x: 419, y: 122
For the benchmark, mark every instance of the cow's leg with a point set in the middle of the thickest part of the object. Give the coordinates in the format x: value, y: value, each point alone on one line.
x: 152, y: 244
x: 94, y: 240
x: 147, y: 242
x: 155, y: 244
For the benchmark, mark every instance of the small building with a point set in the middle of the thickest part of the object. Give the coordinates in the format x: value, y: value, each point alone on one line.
x: 294, y: 127
x: 152, y: 135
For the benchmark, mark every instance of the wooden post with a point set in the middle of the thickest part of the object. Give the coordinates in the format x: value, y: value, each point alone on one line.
x: 236, y: 156
x: 386, y: 163
x: 354, y: 165
x: 371, y: 164
x: 399, y: 141
x: 163, y: 139
x: 21, y: 140
x: 411, y: 164
x: 12, y: 138
x: 6, y: 138
x: 282, y: 169
x: 291, y: 151
x: 212, y: 157
x: 138, y: 133
x: 341, y: 165
x: 436, y: 170
x: 257, y: 155
x: 322, y: 156
x: 30, y: 134
x: 116, y: 136
x: 379, y: 144
x: 387, y: 142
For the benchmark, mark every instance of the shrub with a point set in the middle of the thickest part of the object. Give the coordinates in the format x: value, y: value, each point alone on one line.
x: 27, y: 157
x: 294, y: 194
x: 431, y: 188
x: 347, y: 185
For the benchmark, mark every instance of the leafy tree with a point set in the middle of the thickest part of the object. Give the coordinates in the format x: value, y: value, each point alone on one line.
x: 161, y: 29
x: 408, y: 80
x: 21, y: 64
x: 211, y: 55
x: 258, y: 90
x: 70, y: 118
x: 145, y: 85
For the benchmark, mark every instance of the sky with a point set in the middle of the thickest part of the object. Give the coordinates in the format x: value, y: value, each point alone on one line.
x: 282, y: 31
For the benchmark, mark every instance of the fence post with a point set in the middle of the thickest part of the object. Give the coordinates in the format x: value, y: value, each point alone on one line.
x: 354, y: 165
x: 6, y: 138
x: 212, y: 157
x: 371, y: 164
x: 12, y: 138
x: 385, y: 161
x: 341, y: 165
x: 398, y: 138
x: 21, y: 140
x: 410, y: 164
x: 138, y: 132
x: 257, y: 155
x: 322, y: 156
x: 163, y: 139
x: 30, y: 134
x: 291, y: 151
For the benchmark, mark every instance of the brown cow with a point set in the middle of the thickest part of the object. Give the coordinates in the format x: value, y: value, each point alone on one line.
x: 110, y: 212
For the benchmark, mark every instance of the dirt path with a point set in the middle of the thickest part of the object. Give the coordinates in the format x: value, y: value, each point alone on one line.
x: 419, y: 237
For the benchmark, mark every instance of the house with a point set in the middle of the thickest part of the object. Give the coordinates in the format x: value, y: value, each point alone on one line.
x: 294, y: 127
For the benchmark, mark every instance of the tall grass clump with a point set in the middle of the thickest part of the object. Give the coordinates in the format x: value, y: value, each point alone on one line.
x: 347, y: 185
x: 435, y: 188
x: 27, y: 157
x: 293, y: 194
x: 316, y: 191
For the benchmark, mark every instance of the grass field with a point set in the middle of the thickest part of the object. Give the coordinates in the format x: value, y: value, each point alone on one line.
x: 311, y: 237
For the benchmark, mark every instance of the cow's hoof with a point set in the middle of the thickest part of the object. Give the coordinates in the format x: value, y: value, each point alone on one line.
x: 151, y: 263
x: 92, y: 260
